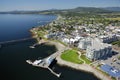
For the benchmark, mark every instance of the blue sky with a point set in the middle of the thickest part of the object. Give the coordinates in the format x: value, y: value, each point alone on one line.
x: 9, y: 5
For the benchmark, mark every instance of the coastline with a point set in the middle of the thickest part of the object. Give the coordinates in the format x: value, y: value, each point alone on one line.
x: 61, y: 47
x: 34, y: 34
x: 82, y: 67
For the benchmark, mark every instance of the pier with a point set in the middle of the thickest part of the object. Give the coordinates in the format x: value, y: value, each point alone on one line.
x: 45, y: 62
x: 13, y: 41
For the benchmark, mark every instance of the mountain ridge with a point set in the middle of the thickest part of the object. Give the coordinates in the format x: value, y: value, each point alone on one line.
x: 77, y: 9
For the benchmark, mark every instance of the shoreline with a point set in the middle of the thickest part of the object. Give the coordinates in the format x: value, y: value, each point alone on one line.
x: 80, y: 67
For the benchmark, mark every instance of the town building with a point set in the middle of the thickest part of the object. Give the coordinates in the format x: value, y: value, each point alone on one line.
x: 83, y: 43
x: 108, y: 38
x: 98, y: 50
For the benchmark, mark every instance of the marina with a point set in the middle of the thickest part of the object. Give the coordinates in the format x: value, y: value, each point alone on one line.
x: 42, y: 64
x: 46, y: 62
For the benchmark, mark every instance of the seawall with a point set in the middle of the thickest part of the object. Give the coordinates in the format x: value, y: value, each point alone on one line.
x: 83, y: 67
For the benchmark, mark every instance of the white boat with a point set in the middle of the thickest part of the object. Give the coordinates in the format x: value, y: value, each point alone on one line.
x: 32, y: 47
x: 29, y: 61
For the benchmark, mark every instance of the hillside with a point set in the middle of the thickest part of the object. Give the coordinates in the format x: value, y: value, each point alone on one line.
x: 112, y: 8
x: 75, y: 10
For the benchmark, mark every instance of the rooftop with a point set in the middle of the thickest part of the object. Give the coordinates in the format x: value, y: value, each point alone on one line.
x: 110, y: 70
x: 97, y: 44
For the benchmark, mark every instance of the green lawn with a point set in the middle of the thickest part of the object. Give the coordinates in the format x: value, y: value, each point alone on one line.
x: 71, y: 56
x: 85, y: 59
x: 40, y: 33
x: 116, y: 42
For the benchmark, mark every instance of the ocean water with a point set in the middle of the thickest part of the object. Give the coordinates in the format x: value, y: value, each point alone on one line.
x: 13, y: 56
x: 17, y: 26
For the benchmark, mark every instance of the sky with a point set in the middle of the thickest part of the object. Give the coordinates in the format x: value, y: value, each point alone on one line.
x: 11, y: 5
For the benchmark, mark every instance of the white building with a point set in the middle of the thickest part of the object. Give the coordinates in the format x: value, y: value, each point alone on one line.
x: 71, y: 40
x: 83, y: 43
x: 98, y: 50
x: 66, y: 40
x: 108, y: 38
x: 49, y: 60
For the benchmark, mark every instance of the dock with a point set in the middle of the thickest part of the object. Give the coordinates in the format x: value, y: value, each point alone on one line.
x: 58, y: 75
x: 40, y: 63
x: 45, y: 62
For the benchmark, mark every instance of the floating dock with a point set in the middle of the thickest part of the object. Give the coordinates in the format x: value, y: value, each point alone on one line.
x: 42, y: 64
x: 46, y: 62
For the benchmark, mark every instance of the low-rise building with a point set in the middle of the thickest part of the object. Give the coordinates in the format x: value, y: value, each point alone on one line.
x: 66, y: 40
x: 108, y: 38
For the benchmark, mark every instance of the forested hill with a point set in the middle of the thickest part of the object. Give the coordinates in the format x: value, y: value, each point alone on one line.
x: 77, y: 10
x: 88, y: 10
x: 112, y: 8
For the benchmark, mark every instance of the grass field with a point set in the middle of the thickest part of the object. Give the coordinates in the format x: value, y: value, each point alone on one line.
x: 71, y: 56
x: 83, y: 57
x: 116, y: 43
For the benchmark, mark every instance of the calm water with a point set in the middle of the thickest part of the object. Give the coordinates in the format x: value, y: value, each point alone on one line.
x: 17, y: 26
x: 13, y: 56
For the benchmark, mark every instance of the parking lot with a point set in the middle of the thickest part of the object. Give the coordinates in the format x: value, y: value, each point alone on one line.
x: 112, y: 60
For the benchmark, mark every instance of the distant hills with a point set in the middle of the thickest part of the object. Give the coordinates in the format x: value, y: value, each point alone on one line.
x: 112, y: 8
x: 78, y: 10
x: 88, y: 10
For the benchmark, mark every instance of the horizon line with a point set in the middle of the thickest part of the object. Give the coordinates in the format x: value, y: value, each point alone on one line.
x: 59, y: 8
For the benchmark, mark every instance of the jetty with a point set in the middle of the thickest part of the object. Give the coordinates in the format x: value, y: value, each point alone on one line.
x: 13, y: 41
x: 46, y: 62
x: 43, y: 64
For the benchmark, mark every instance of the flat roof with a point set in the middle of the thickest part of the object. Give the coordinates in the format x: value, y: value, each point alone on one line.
x: 110, y: 70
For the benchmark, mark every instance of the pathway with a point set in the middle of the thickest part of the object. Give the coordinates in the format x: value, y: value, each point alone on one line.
x: 79, y: 57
